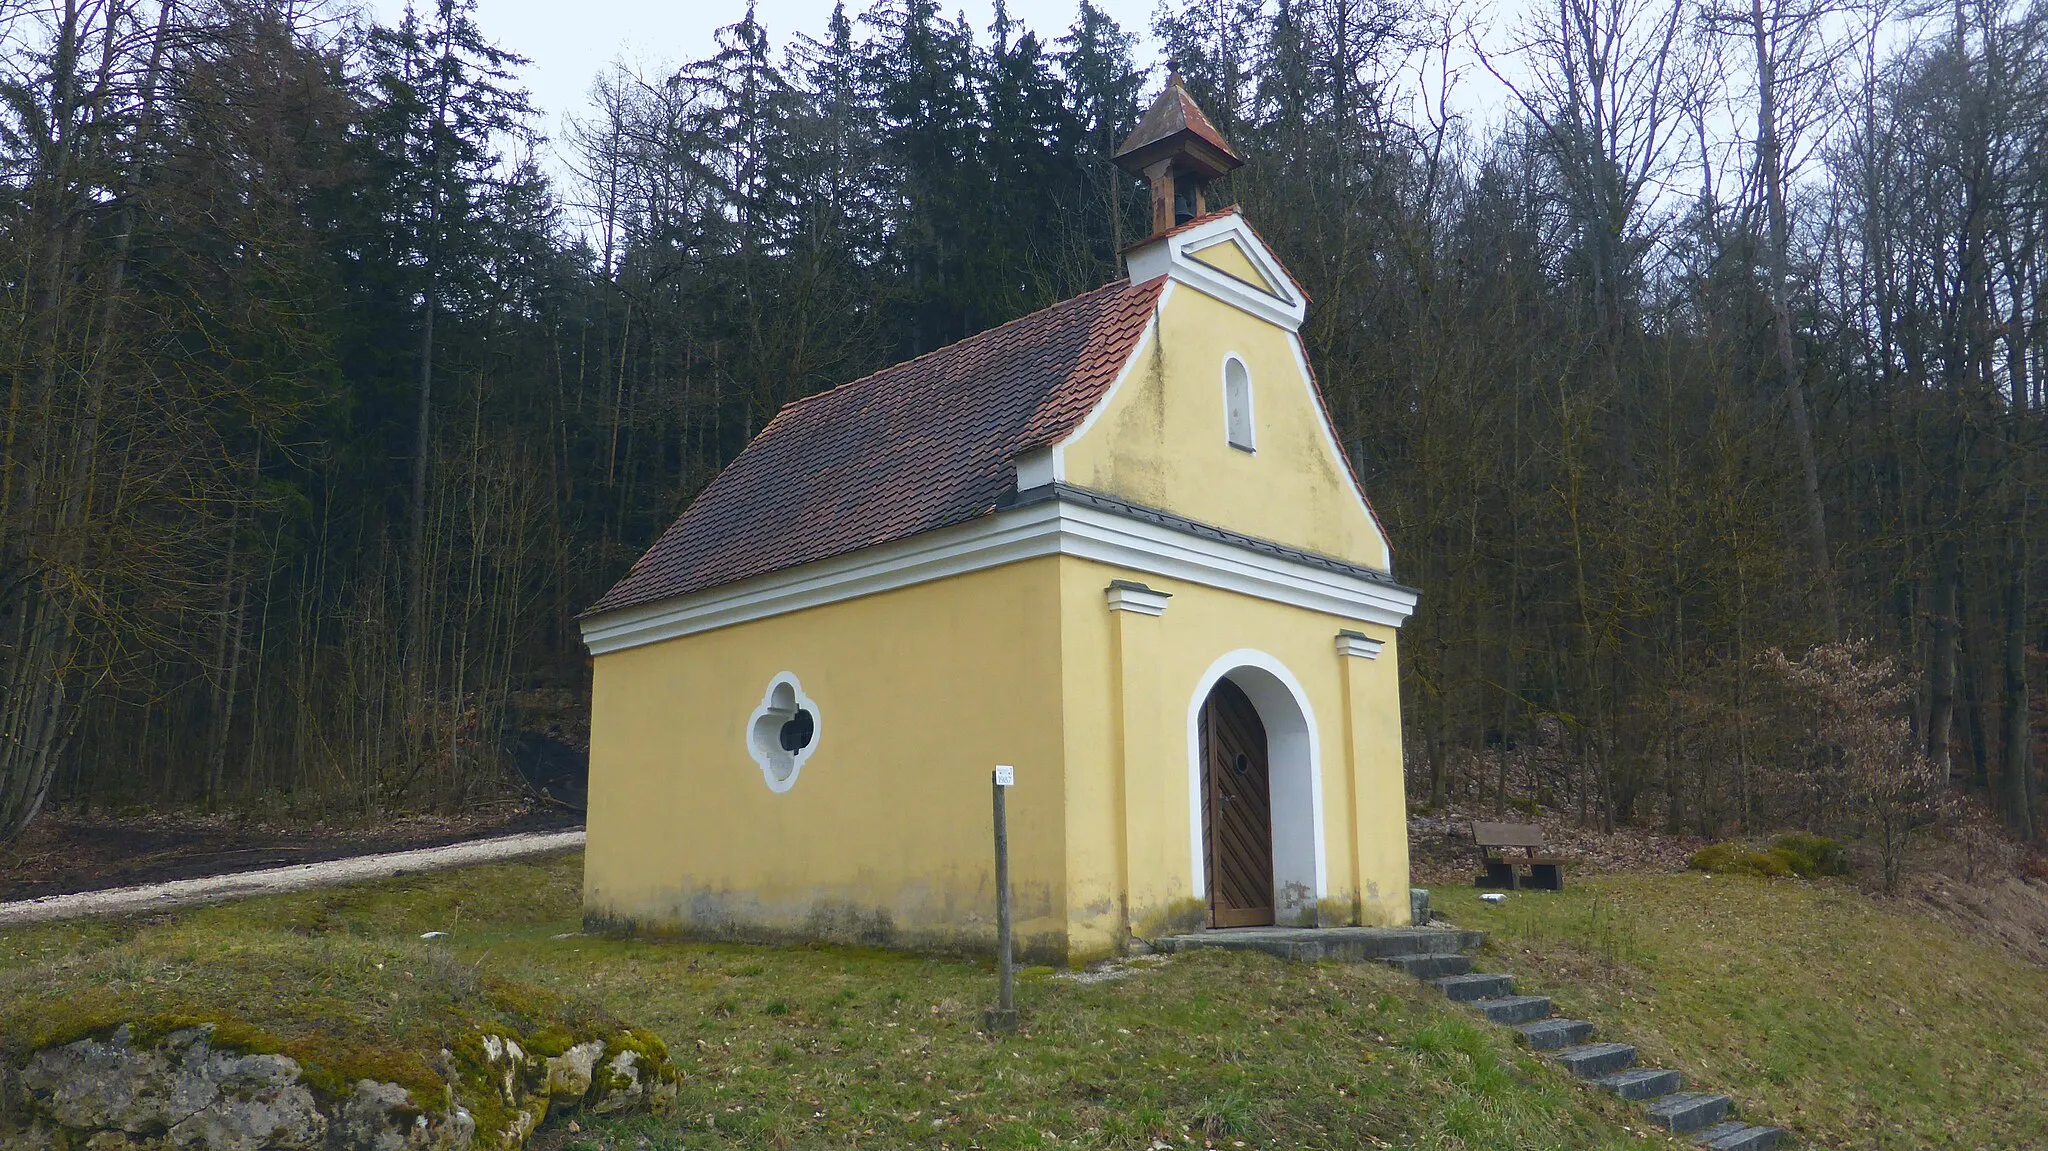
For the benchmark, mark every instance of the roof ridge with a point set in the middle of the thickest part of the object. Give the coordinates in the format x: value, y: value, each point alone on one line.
x: 1119, y: 282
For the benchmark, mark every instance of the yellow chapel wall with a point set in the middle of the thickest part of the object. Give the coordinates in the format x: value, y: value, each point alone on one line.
x: 1130, y: 681
x: 885, y: 837
x: 1230, y: 258
x: 1159, y: 439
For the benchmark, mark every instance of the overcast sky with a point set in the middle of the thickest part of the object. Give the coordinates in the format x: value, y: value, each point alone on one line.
x: 571, y: 41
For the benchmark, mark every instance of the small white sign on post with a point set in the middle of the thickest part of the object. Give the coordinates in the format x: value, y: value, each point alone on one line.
x: 1006, y: 776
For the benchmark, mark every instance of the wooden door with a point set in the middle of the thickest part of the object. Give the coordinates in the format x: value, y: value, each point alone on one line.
x: 1237, y: 810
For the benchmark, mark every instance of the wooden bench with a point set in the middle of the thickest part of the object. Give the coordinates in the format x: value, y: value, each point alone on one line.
x: 1497, y: 843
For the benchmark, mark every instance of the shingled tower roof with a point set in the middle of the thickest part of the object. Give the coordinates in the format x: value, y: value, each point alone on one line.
x: 1175, y: 127
x: 924, y: 445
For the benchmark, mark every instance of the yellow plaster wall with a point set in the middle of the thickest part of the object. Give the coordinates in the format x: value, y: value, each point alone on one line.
x: 1228, y: 257
x: 1159, y: 439
x: 885, y: 837
x: 1130, y: 854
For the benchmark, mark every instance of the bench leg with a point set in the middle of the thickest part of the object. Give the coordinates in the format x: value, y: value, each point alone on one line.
x: 1547, y: 876
x: 1498, y: 874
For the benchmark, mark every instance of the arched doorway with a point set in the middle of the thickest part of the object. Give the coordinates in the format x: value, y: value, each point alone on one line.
x: 1237, y: 809
x: 1260, y: 860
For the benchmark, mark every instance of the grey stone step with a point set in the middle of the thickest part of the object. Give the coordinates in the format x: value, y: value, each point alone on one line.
x: 1508, y: 1010
x: 1641, y: 1083
x: 1430, y: 966
x: 1466, y: 988
x: 1321, y: 944
x: 1689, y: 1110
x: 1592, y: 1060
x: 1737, y: 1136
x: 1550, y: 1034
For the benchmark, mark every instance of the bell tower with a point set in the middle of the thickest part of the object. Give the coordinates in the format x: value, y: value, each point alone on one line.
x: 1178, y: 150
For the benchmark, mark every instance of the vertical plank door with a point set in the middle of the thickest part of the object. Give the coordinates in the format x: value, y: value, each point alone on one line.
x: 1237, y: 810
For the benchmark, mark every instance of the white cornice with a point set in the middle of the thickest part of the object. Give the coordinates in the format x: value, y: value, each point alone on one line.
x: 1043, y: 528
x: 1359, y: 645
x: 1123, y: 595
x: 1174, y: 257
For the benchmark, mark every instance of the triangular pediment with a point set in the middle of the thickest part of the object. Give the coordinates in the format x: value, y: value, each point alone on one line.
x: 1221, y: 256
x: 1230, y: 258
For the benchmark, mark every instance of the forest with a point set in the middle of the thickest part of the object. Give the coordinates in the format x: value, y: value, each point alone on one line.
x: 330, y: 401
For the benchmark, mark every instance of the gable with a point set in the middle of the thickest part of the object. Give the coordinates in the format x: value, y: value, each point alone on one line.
x: 1162, y: 436
x: 1229, y: 257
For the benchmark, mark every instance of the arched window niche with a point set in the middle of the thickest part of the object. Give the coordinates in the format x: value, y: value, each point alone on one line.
x: 1237, y: 405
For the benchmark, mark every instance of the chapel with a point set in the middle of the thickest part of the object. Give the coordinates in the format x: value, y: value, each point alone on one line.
x: 1113, y: 544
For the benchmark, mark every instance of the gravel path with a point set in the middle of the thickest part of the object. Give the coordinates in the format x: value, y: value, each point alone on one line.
x: 299, y: 877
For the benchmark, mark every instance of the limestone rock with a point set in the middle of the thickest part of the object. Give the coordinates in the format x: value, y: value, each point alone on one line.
x: 196, y: 1095
x: 569, y: 1073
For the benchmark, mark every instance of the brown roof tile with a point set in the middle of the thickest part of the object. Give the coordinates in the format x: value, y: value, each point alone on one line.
x: 923, y: 445
x: 1176, y: 124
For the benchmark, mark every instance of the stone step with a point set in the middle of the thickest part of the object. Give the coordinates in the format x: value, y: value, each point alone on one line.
x: 1550, y: 1034
x: 1689, y: 1110
x: 1737, y: 1136
x: 1641, y: 1083
x: 1466, y: 988
x: 1592, y: 1060
x: 1508, y: 1010
x: 1430, y: 966
x: 1327, y: 944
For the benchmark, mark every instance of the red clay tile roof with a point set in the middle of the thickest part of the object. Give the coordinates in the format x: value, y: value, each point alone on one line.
x: 924, y: 445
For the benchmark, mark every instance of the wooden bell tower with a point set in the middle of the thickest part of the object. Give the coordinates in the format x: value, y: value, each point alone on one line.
x: 1178, y: 150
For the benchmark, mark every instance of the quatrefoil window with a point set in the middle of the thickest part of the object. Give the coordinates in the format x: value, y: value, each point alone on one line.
x: 783, y: 732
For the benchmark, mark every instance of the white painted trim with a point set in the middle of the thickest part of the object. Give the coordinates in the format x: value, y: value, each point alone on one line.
x: 1039, y: 468
x: 1049, y: 527
x: 1251, y: 409
x: 1139, y: 599
x: 1350, y: 643
x: 766, y: 757
x: 1273, y: 709
x: 1173, y: 257
x: 1195, y: 250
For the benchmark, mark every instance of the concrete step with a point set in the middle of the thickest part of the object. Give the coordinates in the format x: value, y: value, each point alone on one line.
x: 1550, y: 1034
x: 1689, y: 1110
x: 1592, y: 1060
x: 1641, y: 1083
x: 1737, y: 1136
x: 1466, y: 988
x: 1327, y: 944
x: 1430, y: 966
x: 1509, y: 1010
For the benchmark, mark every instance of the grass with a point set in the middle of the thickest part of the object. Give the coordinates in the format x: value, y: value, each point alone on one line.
x: 1854, y: 1023
x: 331, y: 978
x: 1850, y: 1021
x: 836, y: 1047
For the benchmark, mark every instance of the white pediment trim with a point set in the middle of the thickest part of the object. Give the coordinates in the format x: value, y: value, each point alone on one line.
x: 1045, y: 528
x: 1173, y: 256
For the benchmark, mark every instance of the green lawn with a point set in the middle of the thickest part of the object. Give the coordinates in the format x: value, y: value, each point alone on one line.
x: 1851, y: 1021
x: 831, y: 1047
x: 1819, y: 1010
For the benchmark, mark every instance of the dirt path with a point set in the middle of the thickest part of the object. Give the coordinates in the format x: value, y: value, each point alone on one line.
x: 270, y: 881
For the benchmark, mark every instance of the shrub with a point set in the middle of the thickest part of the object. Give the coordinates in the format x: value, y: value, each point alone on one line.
x: 1812, y: 856
x: 1740, y: 859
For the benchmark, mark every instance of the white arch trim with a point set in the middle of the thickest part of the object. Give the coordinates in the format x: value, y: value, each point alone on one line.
x: 1293, y: 742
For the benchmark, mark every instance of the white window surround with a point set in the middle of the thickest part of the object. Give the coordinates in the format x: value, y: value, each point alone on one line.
x: 1240, y: 422
x: 1294, y: 771
x: 782, y: 704
x: 1044, y: 528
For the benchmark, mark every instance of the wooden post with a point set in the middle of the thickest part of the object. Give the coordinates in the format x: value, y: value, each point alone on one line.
x: 1003, y: 1016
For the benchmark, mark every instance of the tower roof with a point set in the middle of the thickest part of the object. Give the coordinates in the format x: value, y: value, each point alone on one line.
x: 1176, y: 127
